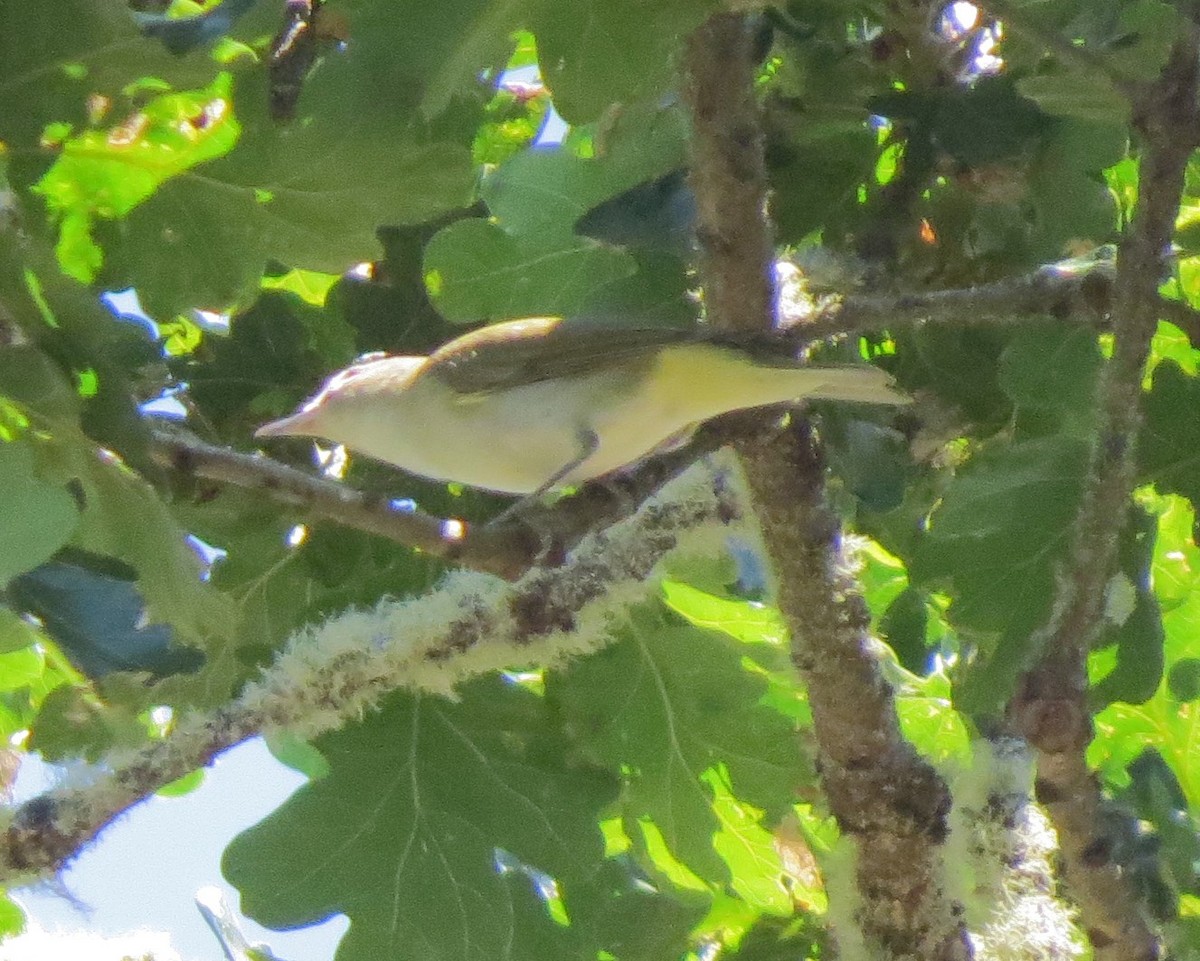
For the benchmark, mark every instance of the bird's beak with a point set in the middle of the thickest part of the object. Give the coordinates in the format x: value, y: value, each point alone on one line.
x: 297, y: 424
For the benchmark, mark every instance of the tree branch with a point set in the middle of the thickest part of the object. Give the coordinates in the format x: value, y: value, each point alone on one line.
x: 890, y: 802
x: 728, y: 177
x: 332, y: 672
x: 1050, y: 708
x: 504, y: 552
x: 507, y: 549
x: 1076, y: 295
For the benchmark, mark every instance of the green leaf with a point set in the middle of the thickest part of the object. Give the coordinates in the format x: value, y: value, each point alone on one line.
x: 106, y: 173
x: 1169, y: 444
x: 21, y: 668
x: 1134, y: 619
x: 1176, y: 563
x: 182, y: 786
x: 934, y: 727
x: 1051, y: 367
x: 994, y: 543
x: 50, y: 64
x: 29, y: 378
x: 594, y: 55
x: 632, y: 919
x: 1071, y: 206
x: 540, y: 193
x: 276, y: 352
x: 391, y: 311
x: 1184, y: 679
x: 1171, y: 343
x: 12, y: 918
x: 431, y: 830
x: 777, y: 939
x: 812, y: 182
x: 529, y: 260
x: 1155, y: 795
x: 882, y: 579
x: 758, y: 626
x: 311, y: 194
x: 73, y: 722
x: 78, y: 367
x: 984, y: 122
x: 658, y: 293
x: 484, y: 32
x: 960, y: 365
x: 476, y: 270
x: 36, y: 518
x: 745, y: 621
x: 872, y: 460
x: 1142, y: 38
x: 311, y: 286
x: 298, y: 754
x: 1000, y: 528
x: 15, y: 632
x: 1165, y: 723
x: 412, y: 60
x: 702, y: 751
x: 903, y: 626
x: 1075, y: 94
x: 275, y: 588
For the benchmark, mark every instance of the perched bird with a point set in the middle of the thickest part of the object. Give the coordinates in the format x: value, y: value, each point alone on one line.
x: 525, y: 406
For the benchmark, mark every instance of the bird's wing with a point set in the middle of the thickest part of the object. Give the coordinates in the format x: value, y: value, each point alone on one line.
x: 519, y: 352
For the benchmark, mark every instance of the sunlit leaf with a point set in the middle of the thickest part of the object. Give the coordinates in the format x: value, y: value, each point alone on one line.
x: 106, y: 173
x: 691, y: 712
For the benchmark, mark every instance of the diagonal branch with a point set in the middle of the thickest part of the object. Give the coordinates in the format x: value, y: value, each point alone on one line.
x: 887, y: 800
x: 332, y: 672
x: 1050, y: 708
x: 191, y: 457
x: 508, y: 550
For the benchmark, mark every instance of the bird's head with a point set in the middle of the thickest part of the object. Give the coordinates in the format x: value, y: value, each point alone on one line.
x: 354, y: 398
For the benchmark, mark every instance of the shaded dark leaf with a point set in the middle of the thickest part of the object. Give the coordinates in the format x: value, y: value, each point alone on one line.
x: 99, y: 621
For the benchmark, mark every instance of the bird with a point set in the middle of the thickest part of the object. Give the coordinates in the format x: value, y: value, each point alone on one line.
x: 526, y: 406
